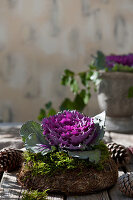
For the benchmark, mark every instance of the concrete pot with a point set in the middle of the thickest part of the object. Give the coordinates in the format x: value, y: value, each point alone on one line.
x: 113, y: 98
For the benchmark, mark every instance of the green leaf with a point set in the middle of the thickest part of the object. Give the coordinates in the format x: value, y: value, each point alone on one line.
x: 78, y: 103
x: 91, y: 66
x: 122, y: 68
x: 130, y: 92
x: 115, y: 68
x: 85, y: 95
x: 93, y: 155
x: 31, y: 144
x: 67, y: 77
x: 42, y: 114
x: 48, y: 105
x: 82, y: 76
x: 85, y: 77
x: 65, y: 80
x: 31, y: 133
x: 67, y: 104
x: 106, y: 69
x: 74, y: 86
x: 68, y: 72
x: 51, y: 112
x: 89, y: 74
x: 30, y: 127
x: 100, y: 60
x: 95, y: 78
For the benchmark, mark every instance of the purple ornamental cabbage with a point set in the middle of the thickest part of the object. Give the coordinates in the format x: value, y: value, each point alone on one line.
x: 111, y: 60
x: 70, y: 130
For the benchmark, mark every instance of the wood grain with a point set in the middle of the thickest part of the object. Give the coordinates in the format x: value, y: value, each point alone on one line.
x: 9, y: 187
x: 98, y: 196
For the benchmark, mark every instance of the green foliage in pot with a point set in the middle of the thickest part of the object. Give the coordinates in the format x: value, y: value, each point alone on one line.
x: 80, y: 83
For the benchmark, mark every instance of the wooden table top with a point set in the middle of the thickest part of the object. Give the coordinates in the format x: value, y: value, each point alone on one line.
x: 10, y: 189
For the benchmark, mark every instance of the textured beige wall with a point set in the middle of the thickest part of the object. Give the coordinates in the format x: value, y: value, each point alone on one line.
x: 40, y: 38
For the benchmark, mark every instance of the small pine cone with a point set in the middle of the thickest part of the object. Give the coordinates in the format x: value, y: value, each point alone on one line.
x: 125, y: 183
x: 120, y: 154
x: 10, y: 159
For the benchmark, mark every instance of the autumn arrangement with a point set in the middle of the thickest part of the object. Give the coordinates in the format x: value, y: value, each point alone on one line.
x: 66, y: 154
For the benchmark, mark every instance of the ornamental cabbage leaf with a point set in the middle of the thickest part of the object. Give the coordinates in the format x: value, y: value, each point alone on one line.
x: 99, y: 121
x: 32, y: 136
x: 92, y: 155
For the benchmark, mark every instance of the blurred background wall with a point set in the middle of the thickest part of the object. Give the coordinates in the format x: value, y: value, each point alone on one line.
x: 40, y: 38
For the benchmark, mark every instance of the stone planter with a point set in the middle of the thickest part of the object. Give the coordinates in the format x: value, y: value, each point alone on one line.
x: 113, y: 98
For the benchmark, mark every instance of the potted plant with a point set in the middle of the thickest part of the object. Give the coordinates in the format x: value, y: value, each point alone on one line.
x: 112, y: 78
x: 65, y: 154
x: 115, y: 92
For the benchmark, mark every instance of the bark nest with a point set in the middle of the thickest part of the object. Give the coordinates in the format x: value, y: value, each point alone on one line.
x: 72, y: 182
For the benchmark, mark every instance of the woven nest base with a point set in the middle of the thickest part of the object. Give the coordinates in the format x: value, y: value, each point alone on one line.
x: 72, y: 182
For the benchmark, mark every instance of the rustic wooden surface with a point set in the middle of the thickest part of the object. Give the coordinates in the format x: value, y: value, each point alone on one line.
x: 9, y: 188
x: 98, y: 196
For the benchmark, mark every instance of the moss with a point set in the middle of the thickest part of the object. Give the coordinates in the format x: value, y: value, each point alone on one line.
x: 59, y: 161
x: 34, y: 195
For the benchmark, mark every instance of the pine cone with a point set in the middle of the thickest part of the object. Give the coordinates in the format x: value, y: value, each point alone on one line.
x: 125, y: 183
x: 120, y: 154
x: 10, y: 159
